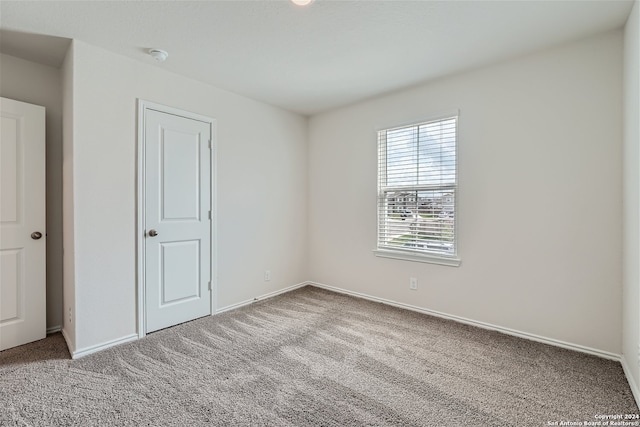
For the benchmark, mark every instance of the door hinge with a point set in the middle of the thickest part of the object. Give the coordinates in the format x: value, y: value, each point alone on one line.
x: 209, y: 144
x: 209, y: 214
x: 209, y: 285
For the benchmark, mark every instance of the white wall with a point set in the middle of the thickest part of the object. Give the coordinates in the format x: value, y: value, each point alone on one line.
x: 40, y: 84
x: 631, y: 197
x: 539, y: 195
x: 261, y: 180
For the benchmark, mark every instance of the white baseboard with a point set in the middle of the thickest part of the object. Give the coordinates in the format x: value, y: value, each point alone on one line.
x: 483, y: 325
x: 632, y: 382
x: 261, y: 297
x: 54, y: 329
x: 76, y: 354
x: 103, y: 346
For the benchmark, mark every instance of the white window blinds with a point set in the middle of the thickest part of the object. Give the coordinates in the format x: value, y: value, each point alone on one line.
x: 417, y: 183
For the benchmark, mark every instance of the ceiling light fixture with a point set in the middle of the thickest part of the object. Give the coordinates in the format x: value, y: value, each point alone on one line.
x: 158, y: 54
x: 302, y: 2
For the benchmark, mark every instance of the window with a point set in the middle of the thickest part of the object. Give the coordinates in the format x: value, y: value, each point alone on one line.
x: 417, y: 186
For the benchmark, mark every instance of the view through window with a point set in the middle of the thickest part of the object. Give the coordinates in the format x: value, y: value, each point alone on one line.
x: 417, y: 188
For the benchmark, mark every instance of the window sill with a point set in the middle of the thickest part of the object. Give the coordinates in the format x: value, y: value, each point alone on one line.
x: 407, y: 256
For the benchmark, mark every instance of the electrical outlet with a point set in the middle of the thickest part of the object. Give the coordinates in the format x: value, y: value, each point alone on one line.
x: 267, y: 275
x: 70, y: 317
x: 413, y: 283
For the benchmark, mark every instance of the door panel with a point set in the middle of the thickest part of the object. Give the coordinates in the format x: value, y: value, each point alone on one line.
x: 177, y: 202
x: 180, y: 176
x: 12, y: 282
x: 180, y: 279
x: 22, y: 212
x: 9, y: 162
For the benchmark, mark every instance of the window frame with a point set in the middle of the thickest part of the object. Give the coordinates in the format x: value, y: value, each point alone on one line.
x: 412, y: 254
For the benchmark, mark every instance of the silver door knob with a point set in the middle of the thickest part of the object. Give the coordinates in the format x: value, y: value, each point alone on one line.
x: 153, y: 233
x: 36, y: 235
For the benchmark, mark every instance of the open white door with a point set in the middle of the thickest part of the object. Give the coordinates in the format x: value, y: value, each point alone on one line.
x: 177, y: 225
x: 22, y: 223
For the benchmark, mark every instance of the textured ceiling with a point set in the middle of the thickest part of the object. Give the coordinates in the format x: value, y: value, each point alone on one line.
x: 308, y: 59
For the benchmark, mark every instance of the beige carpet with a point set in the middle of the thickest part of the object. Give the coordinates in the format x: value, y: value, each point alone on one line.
x: 311, y: 358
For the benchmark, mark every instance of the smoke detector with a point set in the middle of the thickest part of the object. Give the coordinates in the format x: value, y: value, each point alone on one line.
x: 158, y: 54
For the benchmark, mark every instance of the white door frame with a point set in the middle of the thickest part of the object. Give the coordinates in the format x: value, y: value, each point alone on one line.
x: 143, y: 106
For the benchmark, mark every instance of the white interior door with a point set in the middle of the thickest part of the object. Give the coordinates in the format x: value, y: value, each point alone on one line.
x: 22, y: 223
x: 177, y: 226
